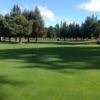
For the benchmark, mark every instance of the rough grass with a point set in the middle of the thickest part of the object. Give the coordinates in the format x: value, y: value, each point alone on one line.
x: 53, y: 71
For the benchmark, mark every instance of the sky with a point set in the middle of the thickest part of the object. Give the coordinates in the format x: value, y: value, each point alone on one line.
x: 55, y: 11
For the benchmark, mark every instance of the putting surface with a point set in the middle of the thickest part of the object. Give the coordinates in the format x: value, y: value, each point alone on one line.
x: 49, y: 71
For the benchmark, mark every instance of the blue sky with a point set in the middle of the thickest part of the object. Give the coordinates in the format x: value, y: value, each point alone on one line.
x: 55, y: 11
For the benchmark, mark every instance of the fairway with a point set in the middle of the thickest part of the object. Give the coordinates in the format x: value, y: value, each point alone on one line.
x: 50, y: 71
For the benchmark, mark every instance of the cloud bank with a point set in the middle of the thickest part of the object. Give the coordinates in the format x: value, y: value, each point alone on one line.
x: 46, y: 13
x: 50, y: 16
x: 92, y: 5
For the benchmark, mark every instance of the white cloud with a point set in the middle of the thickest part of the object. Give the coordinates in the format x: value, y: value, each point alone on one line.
x: 92, y: 5
x: 50, y: 16
x: 46, y: 13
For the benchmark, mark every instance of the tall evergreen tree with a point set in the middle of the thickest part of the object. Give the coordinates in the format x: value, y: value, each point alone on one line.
x: 57, y: 30
x: 63, y: 30
x: 88, y: 26
x: 51, y: 32
x: 15, y: 10
x: 38, y: 23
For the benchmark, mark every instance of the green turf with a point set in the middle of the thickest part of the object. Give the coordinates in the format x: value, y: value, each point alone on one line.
x: 53, y: 71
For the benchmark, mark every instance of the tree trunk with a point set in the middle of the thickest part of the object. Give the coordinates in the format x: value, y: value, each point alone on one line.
x: 64, y: 39
x: 28, y: 39
x: 20, y: 39
x: 15, y: 39
x: 98, y: 39
x: 9, y: 39
x: 4, y: 39
x: 0, y: 38
x: 36, y: 37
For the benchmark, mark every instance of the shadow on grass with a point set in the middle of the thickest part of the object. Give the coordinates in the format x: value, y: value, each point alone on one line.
x: 2, y: 95
x: 56, y: 58
x: 4, y: 81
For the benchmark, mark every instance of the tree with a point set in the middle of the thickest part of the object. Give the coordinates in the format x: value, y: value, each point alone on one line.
x: 51, y: 32
x: 29, y: 15
x: 27, y: 29
x: 36, y: 28
x: 63, y: 30
x: 97, y: 31
x: 15, y: 11
x: 76, y: 31
x: 4, y: 31
x: 38, y: 23
x: 57, y: 30
x: 88, y: 26
x: 2, y: 26
x: 19, y: 27
x: 71, y: 31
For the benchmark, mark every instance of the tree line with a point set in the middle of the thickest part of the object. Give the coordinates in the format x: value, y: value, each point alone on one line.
x: 20, y: 24
x: 29, y: 24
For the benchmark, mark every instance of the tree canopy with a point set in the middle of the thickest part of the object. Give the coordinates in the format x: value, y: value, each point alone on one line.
x: 30, y: 24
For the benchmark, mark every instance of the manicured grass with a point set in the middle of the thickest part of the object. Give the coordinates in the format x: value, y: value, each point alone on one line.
x: 53, y: 71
